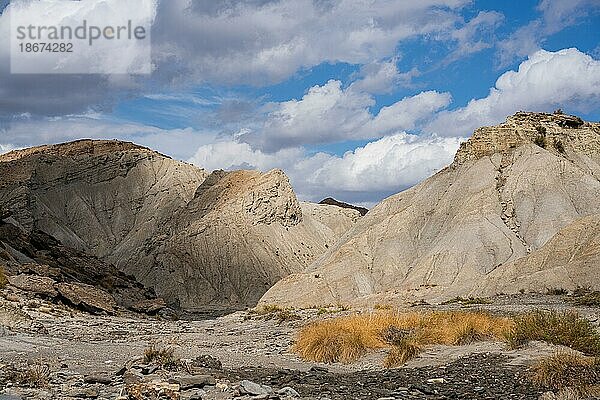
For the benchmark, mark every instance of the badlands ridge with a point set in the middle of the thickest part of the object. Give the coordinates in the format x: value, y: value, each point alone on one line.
x: 517, y: 210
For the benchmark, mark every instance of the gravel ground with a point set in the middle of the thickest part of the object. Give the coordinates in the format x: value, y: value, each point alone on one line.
x: 76, y: 345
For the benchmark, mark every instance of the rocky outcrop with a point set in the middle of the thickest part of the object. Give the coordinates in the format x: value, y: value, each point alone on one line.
x: 509, y: 213
x: 200, y: 241
x: 333, y: 202
x: 38, y: 263
x: 40, y: 285
x: 87, y: 297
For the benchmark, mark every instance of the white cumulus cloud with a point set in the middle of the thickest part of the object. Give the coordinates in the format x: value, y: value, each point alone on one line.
x: 364, y: 175
x: 566, y: 79
x: 330, y: 113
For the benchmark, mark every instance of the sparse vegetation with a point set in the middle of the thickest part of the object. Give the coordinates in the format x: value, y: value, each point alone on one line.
x: 559, y: 146
x: 161, y: 356
x: 540, y: 140
x: 557, y: 291
x: 566, y: 369
x: 3, y: 279
x: 586, y: 298
x: 274, y: 312
x: 419, y: 303
x: 379, y: 306
x: 331, y: 309
x: 565, y: 328
x: 34, y: 375
x: 346, y: 339
x: 468, y: 301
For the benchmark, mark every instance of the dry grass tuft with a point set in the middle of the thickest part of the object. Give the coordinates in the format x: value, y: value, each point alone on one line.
x: 567, y: 371
x: 276, y: 312
x: 161, y: 356
x: 346, y: 339
x: 32, y: 375
x: 565, y: 328
x: 401, y: 353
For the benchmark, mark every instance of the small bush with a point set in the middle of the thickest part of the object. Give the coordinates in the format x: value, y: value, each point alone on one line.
x: 565, y: 328
x: 559, y: 146
x: 287, y: 315
x: 266, y: 309
x: 32, y: 375
x: 566, y: 369
x: 273, y: 311
x: 540, y: 140
x: 3, y: 279
x: 162, y: 356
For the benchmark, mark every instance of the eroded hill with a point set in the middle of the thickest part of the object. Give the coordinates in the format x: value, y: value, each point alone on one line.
x: 200, y: 241
x: 518, y: 209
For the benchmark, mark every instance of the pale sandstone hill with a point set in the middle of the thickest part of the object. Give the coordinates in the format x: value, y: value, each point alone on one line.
x: 201, y: 241
x: 508, y: 214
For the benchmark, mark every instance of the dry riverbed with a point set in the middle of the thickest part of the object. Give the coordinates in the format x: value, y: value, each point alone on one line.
x: 244, y: 355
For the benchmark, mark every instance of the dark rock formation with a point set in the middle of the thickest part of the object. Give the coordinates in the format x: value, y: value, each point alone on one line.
x: 333, y: 202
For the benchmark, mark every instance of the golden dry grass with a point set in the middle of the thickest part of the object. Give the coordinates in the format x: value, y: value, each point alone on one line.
x: 567, y: 370
x: 346, y: 339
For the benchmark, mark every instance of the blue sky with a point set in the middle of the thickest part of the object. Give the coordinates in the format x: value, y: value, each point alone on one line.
x: 351, y: 99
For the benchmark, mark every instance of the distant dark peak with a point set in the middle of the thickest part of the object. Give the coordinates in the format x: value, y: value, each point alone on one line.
x: 333, y: 202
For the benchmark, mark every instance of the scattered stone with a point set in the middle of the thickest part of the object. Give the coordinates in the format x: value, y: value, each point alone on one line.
x: 84, y: 393
x: 14, y: 318
x: 104, y: 380
x: 254, y: 389
x: 197, y: 394
x: 132, y: 376
x: 436, y: 380
x: 206, y: 361
x: 193, y: 381
x: 288, y: 391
